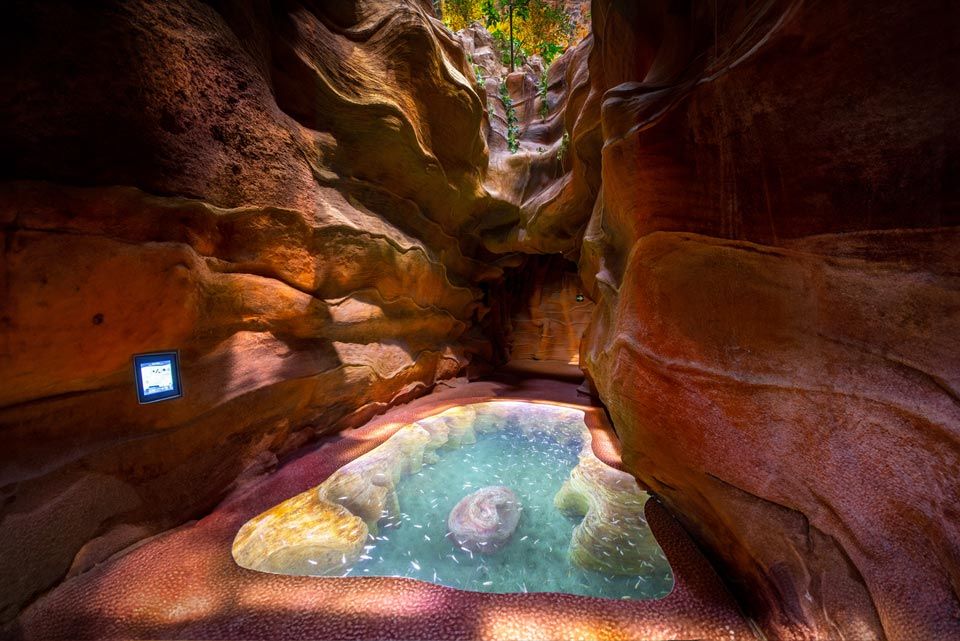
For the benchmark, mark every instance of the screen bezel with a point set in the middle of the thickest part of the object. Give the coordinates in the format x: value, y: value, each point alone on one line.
x: 174, y: 357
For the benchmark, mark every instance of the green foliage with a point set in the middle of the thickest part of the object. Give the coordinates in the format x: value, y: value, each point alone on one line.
x: 542, y: 88
x: 513, y: 124
x: 549, y: 52
x: 564, y: 146
x: 501, y: 41
x: 540, y: 27
x: 478, y: 72
x: 458, y: 14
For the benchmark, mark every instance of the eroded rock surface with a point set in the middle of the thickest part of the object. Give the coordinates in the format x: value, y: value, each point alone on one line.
x: 484, y: 521
x: 773, y: 256
x: 286, y: 194
x: 613, y: 536
x: 762, y: 199
x: 304, y: 535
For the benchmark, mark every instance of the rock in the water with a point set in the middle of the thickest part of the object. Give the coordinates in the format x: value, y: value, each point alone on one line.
x: 613, y: 536
x: 303, y: 535
x: 485, y: 520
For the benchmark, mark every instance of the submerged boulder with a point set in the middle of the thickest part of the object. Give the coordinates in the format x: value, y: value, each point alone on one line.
x: 485, y: 520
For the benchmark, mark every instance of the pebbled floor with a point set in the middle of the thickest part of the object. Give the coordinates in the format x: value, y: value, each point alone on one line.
x: 184, y: 583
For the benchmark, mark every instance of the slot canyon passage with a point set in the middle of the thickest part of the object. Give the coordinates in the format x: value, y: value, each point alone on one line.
x: 724, y: 232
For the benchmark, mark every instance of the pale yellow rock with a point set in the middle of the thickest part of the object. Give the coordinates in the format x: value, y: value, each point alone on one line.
x: 302, y: 535
x: 457, y: 423
x: 613, y: 536
x: 367, y: 485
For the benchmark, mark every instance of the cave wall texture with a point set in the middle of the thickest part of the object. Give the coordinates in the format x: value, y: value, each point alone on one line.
x: 546, y: 321
x: 313, y: 201
x: 288, y: 193
x: 775, y: 260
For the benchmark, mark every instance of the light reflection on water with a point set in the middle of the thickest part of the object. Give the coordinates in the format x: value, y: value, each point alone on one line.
x: 531, y: 449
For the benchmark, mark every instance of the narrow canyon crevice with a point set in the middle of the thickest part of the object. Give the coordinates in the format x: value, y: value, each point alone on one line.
x: 748, y: 210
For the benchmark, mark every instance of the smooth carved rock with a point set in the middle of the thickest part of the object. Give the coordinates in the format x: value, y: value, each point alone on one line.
x: 485, y: 520
x: 367, y: 486
x: 613, y: 536
x: 303, y: 535
x: 249, y: 195
x: 777, y: 298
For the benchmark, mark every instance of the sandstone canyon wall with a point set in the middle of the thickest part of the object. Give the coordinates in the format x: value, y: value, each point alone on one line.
x: 546, y: 321
x: 775, y: 258
x: 288, y: 193
x: 314, y: 202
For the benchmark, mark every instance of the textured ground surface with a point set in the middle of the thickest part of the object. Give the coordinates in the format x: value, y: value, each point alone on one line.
x: 185, y: 584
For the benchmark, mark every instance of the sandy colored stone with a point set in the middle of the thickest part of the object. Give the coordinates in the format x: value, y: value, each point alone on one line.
x: 303, y: 535
x: 613, y: 536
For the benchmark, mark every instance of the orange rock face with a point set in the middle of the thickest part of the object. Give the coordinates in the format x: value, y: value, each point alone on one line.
x: 546, y: 320
x: 761, y: 199
x: 285, y: 195
x: 774, y: 258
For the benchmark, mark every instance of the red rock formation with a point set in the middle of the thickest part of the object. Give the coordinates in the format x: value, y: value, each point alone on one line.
x: 762, y: 198
x: 546, y: 319
x: 284, y: 193
x: 786, y: 375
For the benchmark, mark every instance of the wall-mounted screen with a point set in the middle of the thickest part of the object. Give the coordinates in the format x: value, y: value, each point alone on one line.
x: 158, y: 376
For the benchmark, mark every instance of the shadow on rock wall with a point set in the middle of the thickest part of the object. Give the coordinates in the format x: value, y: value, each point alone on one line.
x: 283, y: 192
x: 774, y: 257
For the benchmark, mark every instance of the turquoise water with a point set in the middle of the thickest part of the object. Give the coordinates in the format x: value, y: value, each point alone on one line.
x: 536, y: 559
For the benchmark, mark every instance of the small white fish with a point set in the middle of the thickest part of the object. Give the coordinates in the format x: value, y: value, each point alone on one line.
x: 426, y: 537
x: 416, y: 566
x: 311, y: 562
x: 364, y: 557
x: 525, y: 537
x: 454, y: 559
x: 488, y: 583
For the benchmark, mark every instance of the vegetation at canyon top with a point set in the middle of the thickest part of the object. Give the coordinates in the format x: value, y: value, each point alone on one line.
x: 521, y: 27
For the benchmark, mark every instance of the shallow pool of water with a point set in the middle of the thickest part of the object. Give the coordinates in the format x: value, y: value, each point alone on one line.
x: 581, y: 528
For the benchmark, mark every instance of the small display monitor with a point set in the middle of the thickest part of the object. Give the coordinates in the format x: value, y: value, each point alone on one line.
x: 158, y: 376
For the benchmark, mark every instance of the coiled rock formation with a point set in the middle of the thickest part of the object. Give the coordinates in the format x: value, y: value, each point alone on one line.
x: 484, y: 521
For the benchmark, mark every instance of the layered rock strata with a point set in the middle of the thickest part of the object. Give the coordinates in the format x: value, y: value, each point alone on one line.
x: 613, y: 536
x: 285, y: 194
x: 772, y: 250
